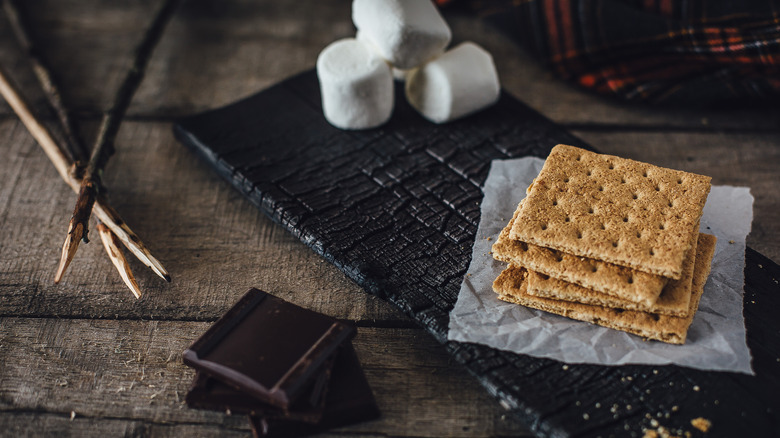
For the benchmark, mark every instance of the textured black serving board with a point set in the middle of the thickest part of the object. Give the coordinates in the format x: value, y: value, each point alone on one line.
x: 396, y: 208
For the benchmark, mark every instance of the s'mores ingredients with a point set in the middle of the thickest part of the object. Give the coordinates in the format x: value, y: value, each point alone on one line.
x: 609, y: 241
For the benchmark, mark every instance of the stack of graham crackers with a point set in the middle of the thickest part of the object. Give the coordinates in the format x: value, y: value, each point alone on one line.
x: 610, y: 241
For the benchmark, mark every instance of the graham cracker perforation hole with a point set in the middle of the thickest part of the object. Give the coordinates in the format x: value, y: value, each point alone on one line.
x: 611, y: 166
x: 566, y: 179
x: 589, y: 172
x: 603, y: 226
x: 635, y: 196
x: 679, y: 181
x: 630, y: 280
x: 655, y: 316
x: 625, y: 219
x: 590, y: 210
x: 601, y: 188
x: 661, y: 226
x: 594, y: 268
x: 567, y: 219
x: 639, y: 234
x: 657, y: 188
x: 579, y: 234
x: 555, y: 202
x: 614, y: 244
x: 622, y: 180
x: 559, y: 259
x: 652, y: 252
x: 544, y: 227
x: 523, y: 246
x: 544, y: 276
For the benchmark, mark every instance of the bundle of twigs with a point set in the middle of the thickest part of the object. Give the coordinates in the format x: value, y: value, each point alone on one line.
x: 69, y: 157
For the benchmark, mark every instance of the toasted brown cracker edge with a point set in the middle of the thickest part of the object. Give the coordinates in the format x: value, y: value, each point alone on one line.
x: 674, y: 299
x: 511, y: 285
x: 617, y: 281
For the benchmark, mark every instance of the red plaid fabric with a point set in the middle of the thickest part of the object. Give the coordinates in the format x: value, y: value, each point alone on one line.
x: 671, y: 51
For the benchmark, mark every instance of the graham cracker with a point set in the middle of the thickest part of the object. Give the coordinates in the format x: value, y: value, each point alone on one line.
x: 623, y: 283
x: 511, y: 285
x: 613, y: 209
x: 674, y: 298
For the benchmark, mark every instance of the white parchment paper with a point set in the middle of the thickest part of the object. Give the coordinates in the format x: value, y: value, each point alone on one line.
x: 716, y: 339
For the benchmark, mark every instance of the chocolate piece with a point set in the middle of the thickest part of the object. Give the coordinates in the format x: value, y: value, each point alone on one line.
x: 212, y: 394
x: 267, y: 347
x: 348, y: 400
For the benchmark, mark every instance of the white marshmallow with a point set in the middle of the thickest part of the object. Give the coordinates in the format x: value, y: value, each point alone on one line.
x: 460, y: 82
x: 356, y: 85
x: 398, y: 74
x: 405, y: 32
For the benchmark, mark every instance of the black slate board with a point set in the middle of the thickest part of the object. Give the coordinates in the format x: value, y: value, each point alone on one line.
x: 396, y: 208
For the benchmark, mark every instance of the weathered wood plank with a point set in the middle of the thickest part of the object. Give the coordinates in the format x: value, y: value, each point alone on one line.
x: 132, y: 370
x: 751, y: 160
x: 215, y: 53
x: 38, y: 424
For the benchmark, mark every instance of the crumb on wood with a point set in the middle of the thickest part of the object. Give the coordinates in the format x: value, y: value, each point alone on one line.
x: 702, y: 424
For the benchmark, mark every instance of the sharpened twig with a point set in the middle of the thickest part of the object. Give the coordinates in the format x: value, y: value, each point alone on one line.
x: 111, y: 244
x: 109, y: 127
x: 62, y: 164
x: 76, y: 232
x: 132, y: 242
x: 46, y: 78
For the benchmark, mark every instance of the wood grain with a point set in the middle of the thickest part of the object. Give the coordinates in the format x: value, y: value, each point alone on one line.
x: 133, y: 371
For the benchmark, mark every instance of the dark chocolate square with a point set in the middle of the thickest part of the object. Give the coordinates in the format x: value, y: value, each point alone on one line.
x: 267, y: 347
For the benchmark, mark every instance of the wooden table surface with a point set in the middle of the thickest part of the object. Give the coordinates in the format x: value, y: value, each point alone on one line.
x: 84, y: 358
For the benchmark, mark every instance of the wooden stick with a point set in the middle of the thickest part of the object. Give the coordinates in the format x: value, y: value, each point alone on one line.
x: 68, y: 248
x: 41, y: 134
x: 46, y: 78
x: 111, y: 244
x: 109, y: 127
x: 102, y: 209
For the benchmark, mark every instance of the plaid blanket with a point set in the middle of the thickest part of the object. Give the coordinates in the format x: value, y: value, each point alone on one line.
x: 661, y: 51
